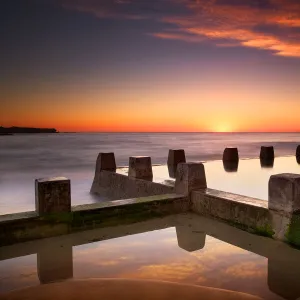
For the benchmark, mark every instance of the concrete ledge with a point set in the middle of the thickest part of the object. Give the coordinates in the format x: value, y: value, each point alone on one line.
x: 117, y: 186
x: 249, y: 213
x: 14, y: 229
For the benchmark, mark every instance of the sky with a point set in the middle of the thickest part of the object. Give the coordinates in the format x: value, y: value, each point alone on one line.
x: 160, y: 65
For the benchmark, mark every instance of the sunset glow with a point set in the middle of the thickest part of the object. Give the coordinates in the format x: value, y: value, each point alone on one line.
x: 174, y: 65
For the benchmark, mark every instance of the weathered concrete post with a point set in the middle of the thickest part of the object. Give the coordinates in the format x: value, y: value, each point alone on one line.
x: 284, y: 205
x: 106, y: 162
x: 190, y: 240
x: 231, y: 154
x: 267, y: 153
x: 52, y: 195
x: 190, y: 177
x: 267, y: 156
x: 140, y: 167
x: 298, y: 151
x: 174, y: 158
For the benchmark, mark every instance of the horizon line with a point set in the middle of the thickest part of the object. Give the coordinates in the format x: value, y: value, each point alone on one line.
x: 178, y: 131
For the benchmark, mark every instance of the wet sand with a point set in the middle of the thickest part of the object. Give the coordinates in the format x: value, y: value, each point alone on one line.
x: 116, y: 289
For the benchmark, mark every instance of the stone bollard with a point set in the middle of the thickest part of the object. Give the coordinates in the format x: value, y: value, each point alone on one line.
x: 52, y: 195
x: 172, y: 171
x: 176, y: 156
x: 267, y: 153
x: 106, y: 162
x: 284, y: 205
x: 190, y: 177
x: 284, y: 193
x: 140, y: 167
x: 230, y: 154
x: 298, y: 151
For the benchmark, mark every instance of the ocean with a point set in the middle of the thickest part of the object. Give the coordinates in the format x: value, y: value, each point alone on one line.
x: 23, y: 158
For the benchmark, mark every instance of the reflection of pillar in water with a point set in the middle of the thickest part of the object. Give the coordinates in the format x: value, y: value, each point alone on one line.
x: 230, y: 166
x: 54, y: 263
x: 190, y: 240
x: 283, y: 278
x: 267, y: 163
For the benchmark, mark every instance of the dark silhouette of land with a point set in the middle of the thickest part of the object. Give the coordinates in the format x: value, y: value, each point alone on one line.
x: 12, y: 130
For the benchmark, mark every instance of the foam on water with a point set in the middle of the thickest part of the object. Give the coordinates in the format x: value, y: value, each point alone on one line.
x: 23, y: 158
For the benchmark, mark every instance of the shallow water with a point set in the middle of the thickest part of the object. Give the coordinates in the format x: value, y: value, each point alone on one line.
x: 187, y: 249
x: 249, y: 178
x: 23, y: 158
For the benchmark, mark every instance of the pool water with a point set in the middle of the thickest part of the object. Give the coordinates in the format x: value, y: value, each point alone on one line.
x: 182, y: 248
x: 249, y: 177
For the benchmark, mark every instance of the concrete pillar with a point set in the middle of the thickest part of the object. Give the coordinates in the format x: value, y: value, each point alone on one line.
x: 284, y: 206
x: 298, y: 151
x: 230, y: 154
x: 54, y: 262
x: 190, y: 240
x: 176, y: 156
x: 230, y: 166
x: 52, y: 195
x: 266, y: 153
x: 140, y: 167
x: 298, y: 159
x: 106, y: 162
x: 284, y: 193
x: 172, y: 171
x: 189, y: 177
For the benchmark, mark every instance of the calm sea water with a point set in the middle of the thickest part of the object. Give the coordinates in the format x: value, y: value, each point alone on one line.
x: 24, y: 158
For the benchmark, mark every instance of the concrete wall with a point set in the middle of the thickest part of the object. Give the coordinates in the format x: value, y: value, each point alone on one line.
x: 23, y: 227
x: 117, y: 186
x: 249, y: 213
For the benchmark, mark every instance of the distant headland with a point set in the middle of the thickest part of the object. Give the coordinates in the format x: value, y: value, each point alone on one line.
x: 13, y: 130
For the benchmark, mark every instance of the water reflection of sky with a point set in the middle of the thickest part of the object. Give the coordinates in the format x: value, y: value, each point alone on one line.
x: 181, y: 253
x: 250, y: 178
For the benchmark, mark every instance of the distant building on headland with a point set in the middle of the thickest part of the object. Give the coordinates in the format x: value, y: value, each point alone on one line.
x: 12, y: 130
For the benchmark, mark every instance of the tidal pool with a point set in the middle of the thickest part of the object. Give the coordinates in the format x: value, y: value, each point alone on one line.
x: 248, y: 177
x: 183, y: 248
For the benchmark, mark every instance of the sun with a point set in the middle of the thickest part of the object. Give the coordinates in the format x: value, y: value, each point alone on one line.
x: 222, y: 127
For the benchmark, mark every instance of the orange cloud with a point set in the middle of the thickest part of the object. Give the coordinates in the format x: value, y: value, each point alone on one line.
x: 212, y: 19
x: 238, y: 24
